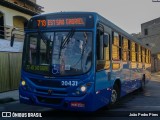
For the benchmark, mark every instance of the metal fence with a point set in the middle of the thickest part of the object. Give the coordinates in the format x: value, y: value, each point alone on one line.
x: 10, y: 62
x: 10, y: 66
x: 7, y: 31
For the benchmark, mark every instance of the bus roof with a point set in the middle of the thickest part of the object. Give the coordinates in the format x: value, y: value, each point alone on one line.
x: 104, y: 21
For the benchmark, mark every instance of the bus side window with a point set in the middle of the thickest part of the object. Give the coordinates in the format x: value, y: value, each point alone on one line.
x: 129, y: 50
x: 106, y: 47
x: 124, y: 49
x: 143, y: 54
x: 136, y: 47
x: 147, y: 58
x: 115, y: 46
x: 139, y: 54
x: 133, y: 51
x: 120, y: 47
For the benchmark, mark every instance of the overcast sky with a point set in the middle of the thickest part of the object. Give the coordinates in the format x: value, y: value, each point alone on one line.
x: 127, y: 14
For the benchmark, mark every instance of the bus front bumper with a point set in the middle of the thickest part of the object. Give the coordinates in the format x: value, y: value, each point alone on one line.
x: 82, y: 103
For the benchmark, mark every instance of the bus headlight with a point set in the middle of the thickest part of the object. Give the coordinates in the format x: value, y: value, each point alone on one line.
x: 23, y: 83
x: 82, y: 89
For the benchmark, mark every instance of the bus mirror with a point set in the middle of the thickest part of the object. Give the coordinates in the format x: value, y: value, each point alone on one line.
x: 106, y: 39
x: 12, y: 40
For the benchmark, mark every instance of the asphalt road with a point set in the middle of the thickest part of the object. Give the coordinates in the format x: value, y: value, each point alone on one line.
x: 141, y: 101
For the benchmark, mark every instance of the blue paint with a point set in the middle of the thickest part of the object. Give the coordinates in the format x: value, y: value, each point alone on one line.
x: 46, y: 90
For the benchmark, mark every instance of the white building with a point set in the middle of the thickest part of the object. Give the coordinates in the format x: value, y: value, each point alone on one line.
x: 13, y: 14
x: 16, y: 13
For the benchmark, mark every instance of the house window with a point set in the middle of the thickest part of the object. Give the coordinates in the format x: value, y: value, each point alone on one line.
x: 146, y: 31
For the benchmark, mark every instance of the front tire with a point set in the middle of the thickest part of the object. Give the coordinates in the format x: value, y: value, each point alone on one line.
x: 115, y: 94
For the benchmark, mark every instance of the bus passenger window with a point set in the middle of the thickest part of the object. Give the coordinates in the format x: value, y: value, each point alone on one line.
x: 125, y: 49
x: 106, y: 46
x: 129, y: 50
x: 120, y: 47
x: 115, y: 46
x: 136, y: 52
x: 139, y: 54
x: 147, y: 55
x: 143, y: 55
x: 133, y: 52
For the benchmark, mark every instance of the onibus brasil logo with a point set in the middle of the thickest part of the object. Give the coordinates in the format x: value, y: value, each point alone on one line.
x: 15, y: 114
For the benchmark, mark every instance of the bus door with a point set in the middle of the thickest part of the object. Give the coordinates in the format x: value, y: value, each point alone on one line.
x: 103, y: 58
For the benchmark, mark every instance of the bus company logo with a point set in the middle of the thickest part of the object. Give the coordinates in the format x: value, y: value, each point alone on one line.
x: 50, y: 92
x: 155, y: 0
x: 6, y: 114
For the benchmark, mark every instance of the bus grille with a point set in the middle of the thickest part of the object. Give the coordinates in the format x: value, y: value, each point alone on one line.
x: 53, y: 92
x: 49, y: 100
x: 47, y: 83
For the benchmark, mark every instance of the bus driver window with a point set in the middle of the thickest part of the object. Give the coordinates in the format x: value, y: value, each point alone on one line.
x: 100, y: 47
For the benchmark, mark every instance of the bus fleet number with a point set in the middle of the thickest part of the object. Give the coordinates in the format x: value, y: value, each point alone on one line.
x: 69, y: 83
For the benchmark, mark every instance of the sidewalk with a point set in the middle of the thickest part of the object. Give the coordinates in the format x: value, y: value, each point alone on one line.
x: 9, y: 96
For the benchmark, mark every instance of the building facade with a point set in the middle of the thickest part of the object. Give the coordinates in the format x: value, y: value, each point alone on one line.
x: 15, y: 14
x: 150, y: 35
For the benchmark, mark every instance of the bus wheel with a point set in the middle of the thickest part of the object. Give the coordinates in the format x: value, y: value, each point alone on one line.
x: 115, y: 94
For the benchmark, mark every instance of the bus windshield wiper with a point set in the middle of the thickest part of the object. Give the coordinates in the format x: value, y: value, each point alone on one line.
x: 43, y: 37
x: 47, y: 43
x: 66, y: 40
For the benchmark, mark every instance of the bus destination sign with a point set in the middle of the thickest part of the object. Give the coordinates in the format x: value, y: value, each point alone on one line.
x: 61, y: 22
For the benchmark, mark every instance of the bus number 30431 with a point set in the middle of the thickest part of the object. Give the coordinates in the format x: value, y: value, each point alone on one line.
x: 69, y: 83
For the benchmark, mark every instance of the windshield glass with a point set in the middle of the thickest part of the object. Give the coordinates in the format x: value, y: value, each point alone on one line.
x: 58, y: 53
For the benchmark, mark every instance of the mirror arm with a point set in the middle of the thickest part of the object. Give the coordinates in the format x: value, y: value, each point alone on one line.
x: 12, y: 37
x: 12, y: 31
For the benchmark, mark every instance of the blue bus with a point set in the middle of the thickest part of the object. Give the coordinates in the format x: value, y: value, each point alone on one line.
x: 80, y: 61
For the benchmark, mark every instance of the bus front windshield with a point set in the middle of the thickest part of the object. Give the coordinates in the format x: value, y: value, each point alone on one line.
x: 58, y: 53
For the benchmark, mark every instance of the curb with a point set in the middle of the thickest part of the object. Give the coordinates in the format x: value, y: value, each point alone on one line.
x: 6, y: 100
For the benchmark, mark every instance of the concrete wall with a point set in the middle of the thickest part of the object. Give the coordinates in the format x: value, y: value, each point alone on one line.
x: 153, y: 27
x: 18, y: 22
x: 153, y: 39
x: 11, y: 21
x: 9, y: 13
x: 20, y: 3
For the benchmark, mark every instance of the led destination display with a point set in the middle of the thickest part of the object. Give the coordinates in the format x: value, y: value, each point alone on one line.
x: 61, y: 22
